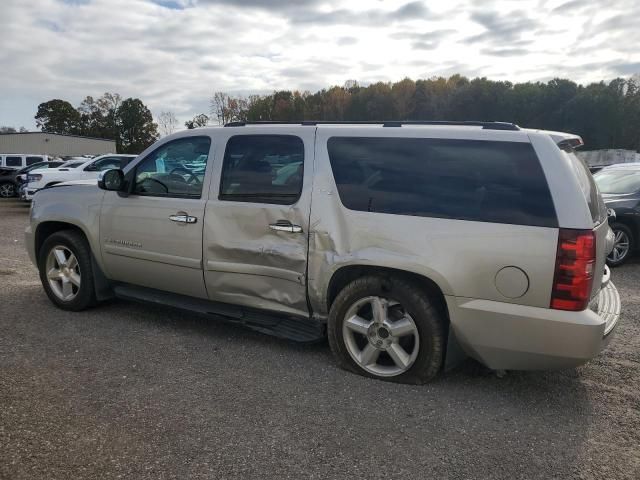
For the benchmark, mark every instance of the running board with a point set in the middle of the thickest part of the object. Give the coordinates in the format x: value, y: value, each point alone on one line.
x: 298, y: 329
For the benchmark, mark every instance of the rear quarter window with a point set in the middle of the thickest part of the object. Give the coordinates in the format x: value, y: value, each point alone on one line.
x: 588, y: 187
x: 485, y: 181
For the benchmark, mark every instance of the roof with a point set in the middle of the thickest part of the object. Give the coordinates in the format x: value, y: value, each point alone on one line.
x: 58, y: 135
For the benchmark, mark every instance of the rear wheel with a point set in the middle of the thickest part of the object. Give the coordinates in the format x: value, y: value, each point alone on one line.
x: 624, y: 244
x: 387, y: 329
x: 66, y: 272
x: 7, y: 190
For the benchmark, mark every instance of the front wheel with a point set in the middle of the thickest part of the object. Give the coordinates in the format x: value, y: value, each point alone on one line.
x: 387, y: 329
x: 65, y: 270
x: 624, y: 244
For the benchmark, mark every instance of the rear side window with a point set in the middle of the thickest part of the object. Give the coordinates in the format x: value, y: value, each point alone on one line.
x: 13, y: 161
x: 263, y: 169
x: 588, y: 186
x: 485, y: 181
x: 32, y: 160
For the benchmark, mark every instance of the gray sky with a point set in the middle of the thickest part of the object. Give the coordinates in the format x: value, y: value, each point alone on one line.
x: 172, y: 54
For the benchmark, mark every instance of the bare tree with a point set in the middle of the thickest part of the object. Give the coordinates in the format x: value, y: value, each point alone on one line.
x: 226, y: 108
x: 167, y: 123
x: 218, y: 107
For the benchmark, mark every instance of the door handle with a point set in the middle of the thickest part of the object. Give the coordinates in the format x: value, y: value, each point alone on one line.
x: 183, y: 217
x: 285, y: 226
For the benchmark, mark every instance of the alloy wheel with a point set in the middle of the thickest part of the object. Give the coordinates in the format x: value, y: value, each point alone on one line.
x: 63, y: 273
x: 7, y: 190
x: 620, y: 247
x: 380, y: 336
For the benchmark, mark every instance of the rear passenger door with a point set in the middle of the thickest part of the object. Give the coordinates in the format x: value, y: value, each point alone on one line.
x: 256, y: 225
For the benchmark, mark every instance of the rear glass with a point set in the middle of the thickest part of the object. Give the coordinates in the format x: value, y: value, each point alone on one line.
x: 618, y: 182
x: 486, y: 181
x: 588, y: 186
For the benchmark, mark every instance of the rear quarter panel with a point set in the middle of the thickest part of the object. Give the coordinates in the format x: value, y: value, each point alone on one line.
x: 461, y: 257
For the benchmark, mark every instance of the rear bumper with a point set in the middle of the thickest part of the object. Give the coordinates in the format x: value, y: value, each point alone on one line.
x: 506, y: 336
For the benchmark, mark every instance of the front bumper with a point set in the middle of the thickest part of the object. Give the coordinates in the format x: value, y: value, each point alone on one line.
x: 505, y: 336
x: 28, y: 193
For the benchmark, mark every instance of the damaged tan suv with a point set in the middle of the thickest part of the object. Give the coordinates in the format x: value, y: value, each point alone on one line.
x: 409, y: 245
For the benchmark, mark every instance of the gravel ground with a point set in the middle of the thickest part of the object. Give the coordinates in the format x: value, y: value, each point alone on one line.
x: 131, y: 391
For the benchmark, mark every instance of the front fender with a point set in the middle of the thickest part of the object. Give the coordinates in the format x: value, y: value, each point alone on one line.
x: 75, y: 205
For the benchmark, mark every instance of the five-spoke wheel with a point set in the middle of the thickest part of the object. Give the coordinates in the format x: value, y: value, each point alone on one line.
x: 381, y: 336
x: 66, y: 272
x: 63, y: 272
x: 387, y: 328
x: 622, y: 247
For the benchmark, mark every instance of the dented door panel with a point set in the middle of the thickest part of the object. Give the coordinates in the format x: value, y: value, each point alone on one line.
x: 246, y: 261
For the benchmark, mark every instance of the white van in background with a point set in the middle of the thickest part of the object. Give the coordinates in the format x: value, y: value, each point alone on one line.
x: 21, y: 160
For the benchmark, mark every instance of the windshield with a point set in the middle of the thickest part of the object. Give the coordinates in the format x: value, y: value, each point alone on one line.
x: 618, y: 181
x: 33, y: 166
x: 72, y: 164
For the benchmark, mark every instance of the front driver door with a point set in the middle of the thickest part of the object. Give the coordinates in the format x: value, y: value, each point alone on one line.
x: 152, y: 237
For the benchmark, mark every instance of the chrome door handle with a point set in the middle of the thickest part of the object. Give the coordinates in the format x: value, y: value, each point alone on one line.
x: 285, y: 226
x: 182, y: 217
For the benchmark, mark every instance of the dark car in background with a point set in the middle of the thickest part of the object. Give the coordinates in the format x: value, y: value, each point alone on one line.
x: 10, y: 178
x: 620, y: 188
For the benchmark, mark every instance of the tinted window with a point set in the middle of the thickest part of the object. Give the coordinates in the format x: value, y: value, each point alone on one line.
x: 263, y: 168
x: 32, y: 160
x: 13, y: 161
x: 176, y: 168
x: 499, y: 182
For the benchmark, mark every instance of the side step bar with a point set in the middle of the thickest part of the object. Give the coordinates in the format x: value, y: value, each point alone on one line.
x: 298, y: 329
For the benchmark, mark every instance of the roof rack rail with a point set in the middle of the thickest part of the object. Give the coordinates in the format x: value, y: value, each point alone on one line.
x: 487, y: 125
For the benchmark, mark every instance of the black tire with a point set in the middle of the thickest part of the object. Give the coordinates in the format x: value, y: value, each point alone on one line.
x: 619, y: 227
x: 428, y: 320
x: 76, y: 243
x: 7, y: 190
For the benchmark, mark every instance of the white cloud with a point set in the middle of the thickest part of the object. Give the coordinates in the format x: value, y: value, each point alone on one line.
x: 173, y: 54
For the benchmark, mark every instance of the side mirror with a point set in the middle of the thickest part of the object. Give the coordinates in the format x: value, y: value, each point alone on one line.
x: 611, y: 214
x: 112, y: 180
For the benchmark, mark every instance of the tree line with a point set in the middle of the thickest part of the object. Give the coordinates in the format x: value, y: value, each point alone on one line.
x: 605, y: 114
x: 129, y: 122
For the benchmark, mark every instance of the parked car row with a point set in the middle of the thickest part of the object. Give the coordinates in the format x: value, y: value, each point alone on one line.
x: 33, y: 176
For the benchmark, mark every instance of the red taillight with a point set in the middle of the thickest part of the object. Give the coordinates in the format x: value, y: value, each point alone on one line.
x: 575, y: 262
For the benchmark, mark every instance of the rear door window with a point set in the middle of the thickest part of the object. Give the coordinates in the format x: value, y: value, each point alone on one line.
x: 13, y: 161
x: 263, y: 169
x: 486, y: 181
x: 32, y: 160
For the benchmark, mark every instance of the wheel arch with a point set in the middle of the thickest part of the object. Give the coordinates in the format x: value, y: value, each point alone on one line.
x: 48, y: 228
x: 348, y: 273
